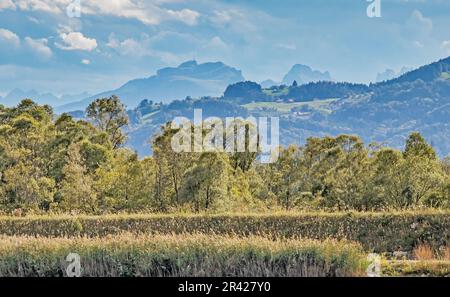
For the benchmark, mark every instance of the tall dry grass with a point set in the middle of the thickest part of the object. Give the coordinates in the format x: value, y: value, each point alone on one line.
x: 377, y: 232
x: 423, y: 252
x: 180, y: 255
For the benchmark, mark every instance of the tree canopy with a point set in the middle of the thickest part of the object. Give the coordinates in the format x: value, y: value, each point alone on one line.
x: 54, y: 163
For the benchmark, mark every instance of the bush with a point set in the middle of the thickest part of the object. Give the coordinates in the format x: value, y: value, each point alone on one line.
x: 377, y: 232
x: 180, y: 255
x: 434, y: 268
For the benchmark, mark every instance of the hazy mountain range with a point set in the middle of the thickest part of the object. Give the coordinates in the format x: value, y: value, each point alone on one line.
x: 194, y: 80
x: 168, y: 84
x: 386, y: 112
x: 188, y: 79
x: 389, y: 74
x: 16, y: 95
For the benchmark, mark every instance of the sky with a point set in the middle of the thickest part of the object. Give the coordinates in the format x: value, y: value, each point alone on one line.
x: 47, y: 46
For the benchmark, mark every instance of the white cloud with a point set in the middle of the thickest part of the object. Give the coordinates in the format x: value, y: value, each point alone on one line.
x: 251, y: 26
x: 187, y: 16
x: 7, y: 4
x: 232, y: 17
x: 213, y: 49
x: 221, y: 17
x: 418, y: 18
x: 33, y: 20
x: 9, y: 37
x: 147, y: 12
x: 216, y: 45
x: 130, y: 46
x: 113, y: 42
x: 76, y: 41
x: 50, y: 6
x: 122, y: 8
x: 287, y: 46
x: 140, y: 48
x: 39, y: 46
x: 446, y: 46
x: 418, y: 44
x: 217, y: 42
x: 85, y: 62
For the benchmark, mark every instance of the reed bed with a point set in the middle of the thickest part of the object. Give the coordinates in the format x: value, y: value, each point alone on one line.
x: 170, y: 255
x: 377, y: 232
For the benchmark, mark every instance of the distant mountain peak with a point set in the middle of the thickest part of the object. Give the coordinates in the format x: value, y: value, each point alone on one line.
x: 434, y: 71
x: 269, y: 83
x: 301, y: 67
x: 190, y: 78
x: 304, y: 74
x: 188, y: 64
x: 389, y: 74
x: 208, y: 70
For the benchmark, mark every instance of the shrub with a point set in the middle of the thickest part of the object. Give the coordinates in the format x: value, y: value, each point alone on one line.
x: 416, y: 268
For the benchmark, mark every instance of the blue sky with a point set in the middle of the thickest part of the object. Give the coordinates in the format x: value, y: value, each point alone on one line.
x: 113, y: 41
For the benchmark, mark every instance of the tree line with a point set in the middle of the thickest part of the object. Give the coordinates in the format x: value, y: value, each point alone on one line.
x: 57, y: 164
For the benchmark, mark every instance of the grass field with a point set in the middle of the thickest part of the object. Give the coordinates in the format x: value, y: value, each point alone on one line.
x: 320, y: 105
x: 445, y: 75
x: 181, y: 255
x: 276, y: 93
x: 377, y: 232
x: 274, y: 244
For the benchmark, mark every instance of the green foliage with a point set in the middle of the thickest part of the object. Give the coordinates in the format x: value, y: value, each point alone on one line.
x: 434, y: 268
x: 245, y: 92
x: 77, y: 186
x: 110, y: 116
x: 324, y: 90
x: 416, y: 146
x: 59, y: 165
x: 26, y: 186
x: 125, y: 183
x: 45, y: 164
x: 341, y: 173
x: 206, y: 183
